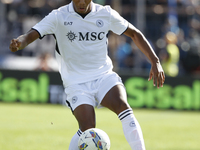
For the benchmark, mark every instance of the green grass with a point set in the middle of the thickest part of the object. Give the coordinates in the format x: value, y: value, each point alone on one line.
x: 50, y: 127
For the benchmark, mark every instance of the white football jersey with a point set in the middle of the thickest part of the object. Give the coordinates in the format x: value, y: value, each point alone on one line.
x: 82, y: 42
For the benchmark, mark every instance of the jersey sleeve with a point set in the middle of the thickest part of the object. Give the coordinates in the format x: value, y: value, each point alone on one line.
x: 117, y: 23
x: 47, y: 25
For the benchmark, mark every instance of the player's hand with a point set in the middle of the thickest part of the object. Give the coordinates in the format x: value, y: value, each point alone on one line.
x: 157, y: 74
x: 15, y: 45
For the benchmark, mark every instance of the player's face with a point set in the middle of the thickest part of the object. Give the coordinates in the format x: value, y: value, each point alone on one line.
x: 82, y: 6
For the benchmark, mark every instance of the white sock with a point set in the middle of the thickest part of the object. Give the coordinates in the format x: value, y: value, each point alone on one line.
x: 74, y: 141
x: 132, y: 130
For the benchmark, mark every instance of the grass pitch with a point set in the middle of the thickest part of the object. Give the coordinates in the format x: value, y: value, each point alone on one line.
x: 50, y: 127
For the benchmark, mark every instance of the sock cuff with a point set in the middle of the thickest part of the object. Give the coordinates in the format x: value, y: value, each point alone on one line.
x: 79, y: 132
x: 125, y: 113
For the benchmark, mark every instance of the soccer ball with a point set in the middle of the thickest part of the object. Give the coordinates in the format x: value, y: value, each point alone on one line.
x: 94, y: 139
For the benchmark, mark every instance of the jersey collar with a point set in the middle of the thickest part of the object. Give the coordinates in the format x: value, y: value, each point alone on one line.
x: 71, y: 8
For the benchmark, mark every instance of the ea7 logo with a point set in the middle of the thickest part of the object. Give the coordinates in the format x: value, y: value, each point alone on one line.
x: 68, y: 23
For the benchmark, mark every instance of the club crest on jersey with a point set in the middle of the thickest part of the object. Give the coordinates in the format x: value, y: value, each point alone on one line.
x: 74, y: 99
x: 99, y: 23
x: 71, y: 36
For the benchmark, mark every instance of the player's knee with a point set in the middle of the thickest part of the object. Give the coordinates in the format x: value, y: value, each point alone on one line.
x: 87, y: 125
x: 121, y: 106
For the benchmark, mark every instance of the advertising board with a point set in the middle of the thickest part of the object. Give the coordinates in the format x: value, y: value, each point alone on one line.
x: 181, y: 93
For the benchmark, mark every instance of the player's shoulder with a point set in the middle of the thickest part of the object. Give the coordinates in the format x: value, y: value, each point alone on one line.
x: 61, y: 10
x: 64, y: 9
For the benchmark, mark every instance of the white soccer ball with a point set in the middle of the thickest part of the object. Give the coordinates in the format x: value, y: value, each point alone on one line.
x: 94, y: 139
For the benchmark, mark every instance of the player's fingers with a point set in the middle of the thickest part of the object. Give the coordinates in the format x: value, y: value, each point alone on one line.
x: 18, y: 43
x: 161, y: 83
x: 154, y: 80
x: 158, y: 80
x: 150, y: 76
x: 14, y: 45
x: 13, y: 40
x: 163, y: 76
x: 162, y: 79
x: 14, y: 49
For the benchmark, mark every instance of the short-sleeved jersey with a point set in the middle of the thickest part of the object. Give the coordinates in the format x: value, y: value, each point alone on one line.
x: 82, y: 42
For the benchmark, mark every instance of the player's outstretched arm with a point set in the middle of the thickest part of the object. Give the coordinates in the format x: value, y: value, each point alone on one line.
x: 22, y: 41
x: 156, y: 71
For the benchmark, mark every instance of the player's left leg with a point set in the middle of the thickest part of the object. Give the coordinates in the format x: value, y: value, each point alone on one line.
x: 116, y: 100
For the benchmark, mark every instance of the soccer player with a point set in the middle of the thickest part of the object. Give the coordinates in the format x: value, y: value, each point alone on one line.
x: 80, y: 29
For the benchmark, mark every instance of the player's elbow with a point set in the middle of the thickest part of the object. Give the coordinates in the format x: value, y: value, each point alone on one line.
x: 133, y: 33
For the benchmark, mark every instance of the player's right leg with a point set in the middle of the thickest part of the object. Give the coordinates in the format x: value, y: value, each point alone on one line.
x: 82, y: 105
x: 85, y: 116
